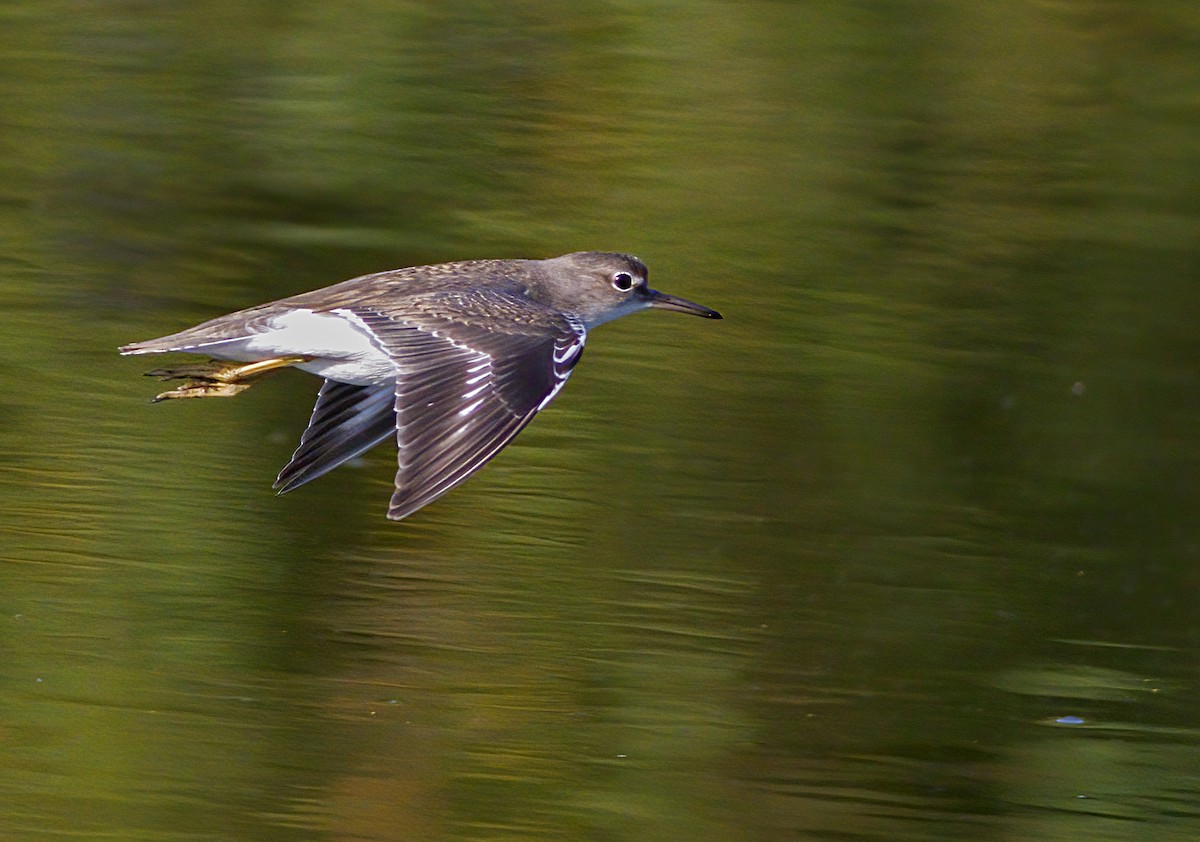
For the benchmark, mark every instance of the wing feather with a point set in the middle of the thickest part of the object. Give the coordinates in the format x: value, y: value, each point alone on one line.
x: 466, y: 387
x: 346, y: 421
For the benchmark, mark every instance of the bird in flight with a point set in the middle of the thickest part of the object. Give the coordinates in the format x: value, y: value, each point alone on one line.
x: 453, y: 360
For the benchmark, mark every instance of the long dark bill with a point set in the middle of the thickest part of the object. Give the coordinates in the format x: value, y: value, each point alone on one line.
x: 664, y: 301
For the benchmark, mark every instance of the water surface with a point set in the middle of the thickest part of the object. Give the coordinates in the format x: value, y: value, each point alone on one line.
x: 905, y: 548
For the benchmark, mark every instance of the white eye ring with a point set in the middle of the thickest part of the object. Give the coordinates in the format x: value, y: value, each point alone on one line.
x: 622, y: 281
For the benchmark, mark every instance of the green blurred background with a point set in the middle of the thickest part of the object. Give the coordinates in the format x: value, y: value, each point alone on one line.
x: 903, y: 549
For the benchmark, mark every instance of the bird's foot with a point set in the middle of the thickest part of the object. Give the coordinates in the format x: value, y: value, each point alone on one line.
x: 201, y: 389
x: 218, y: 378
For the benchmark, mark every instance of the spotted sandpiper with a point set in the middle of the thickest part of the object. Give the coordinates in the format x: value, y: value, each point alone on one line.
x: 452, y: 359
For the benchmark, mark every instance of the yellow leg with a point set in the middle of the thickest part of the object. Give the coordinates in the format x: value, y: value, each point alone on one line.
x: 217, y: 378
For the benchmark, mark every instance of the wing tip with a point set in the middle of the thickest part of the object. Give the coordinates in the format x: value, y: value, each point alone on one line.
x: 281, y: 487
x: 403, y: 504
x: 399, y: 511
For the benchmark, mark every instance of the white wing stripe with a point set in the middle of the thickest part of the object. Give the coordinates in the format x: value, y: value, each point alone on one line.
x: 468, y: 410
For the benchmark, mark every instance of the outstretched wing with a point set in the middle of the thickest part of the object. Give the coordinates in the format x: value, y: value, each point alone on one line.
x: 347, y: 421
x: 466, y: 385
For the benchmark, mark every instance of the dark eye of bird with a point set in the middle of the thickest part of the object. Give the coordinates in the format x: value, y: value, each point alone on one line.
x: 622, y: 281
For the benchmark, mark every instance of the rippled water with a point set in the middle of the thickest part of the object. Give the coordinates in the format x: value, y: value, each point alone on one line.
x: 904, y: 548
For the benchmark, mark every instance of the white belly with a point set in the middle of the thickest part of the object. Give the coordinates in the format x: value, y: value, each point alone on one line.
x: 342, y: 346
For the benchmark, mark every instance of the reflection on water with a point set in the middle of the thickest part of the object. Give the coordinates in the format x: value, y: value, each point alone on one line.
x: 902, y: 549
